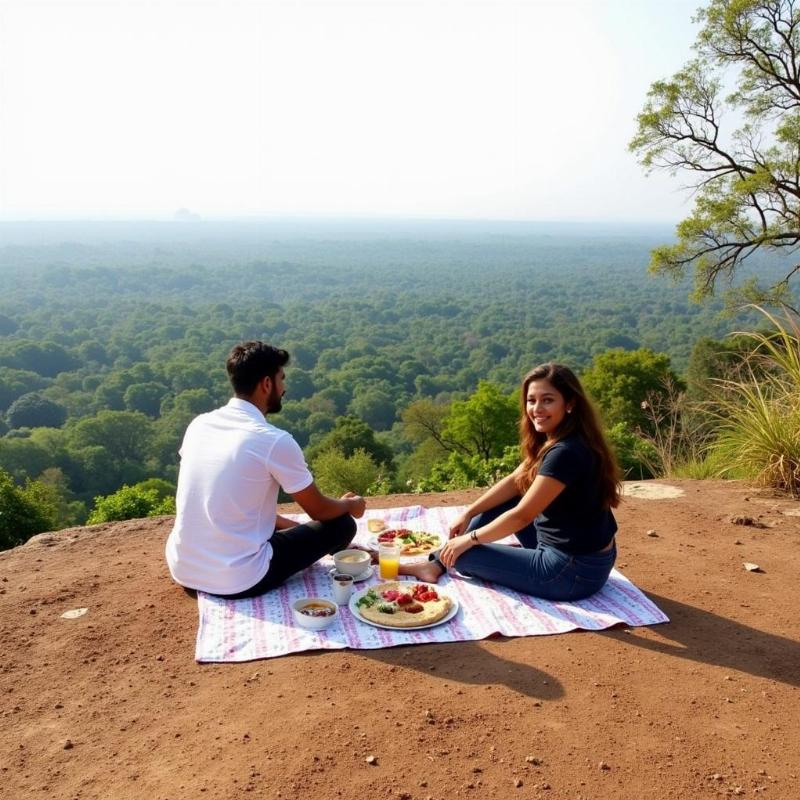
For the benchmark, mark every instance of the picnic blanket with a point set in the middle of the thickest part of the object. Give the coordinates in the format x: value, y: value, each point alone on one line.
x: 263, y: 627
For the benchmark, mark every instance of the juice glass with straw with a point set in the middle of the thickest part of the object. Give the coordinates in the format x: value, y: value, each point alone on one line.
x: 389, y: 560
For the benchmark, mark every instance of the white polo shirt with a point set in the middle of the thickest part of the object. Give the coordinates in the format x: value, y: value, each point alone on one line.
x: 232, y: 463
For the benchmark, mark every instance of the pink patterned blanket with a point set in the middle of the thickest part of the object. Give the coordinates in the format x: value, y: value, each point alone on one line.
x: 263, y: 627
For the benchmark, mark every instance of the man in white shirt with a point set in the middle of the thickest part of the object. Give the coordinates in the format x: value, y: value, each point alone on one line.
x: 228, y: 538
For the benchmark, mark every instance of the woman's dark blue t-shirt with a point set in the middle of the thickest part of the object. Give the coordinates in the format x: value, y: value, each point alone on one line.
x: 576, y: 521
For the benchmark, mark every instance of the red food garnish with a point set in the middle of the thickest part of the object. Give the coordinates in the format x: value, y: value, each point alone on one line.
x: 404, y: 599
x: 388, y: 536
x: 391, y: 594
x: 426, y: 597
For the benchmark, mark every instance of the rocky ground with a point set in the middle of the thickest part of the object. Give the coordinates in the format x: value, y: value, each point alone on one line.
x: 112, y: 705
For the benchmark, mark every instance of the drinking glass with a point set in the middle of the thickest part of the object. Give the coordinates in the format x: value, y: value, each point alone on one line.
x: 389, y: 560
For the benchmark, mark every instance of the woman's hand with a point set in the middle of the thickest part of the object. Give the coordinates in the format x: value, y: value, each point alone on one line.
x: 453, y: 549
x: 460, y: 525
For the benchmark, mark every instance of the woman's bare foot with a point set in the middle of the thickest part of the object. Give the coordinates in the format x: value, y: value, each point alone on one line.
x: 428, y: 571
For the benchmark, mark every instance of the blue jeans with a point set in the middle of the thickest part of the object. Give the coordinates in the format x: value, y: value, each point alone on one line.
x: 537, y: 569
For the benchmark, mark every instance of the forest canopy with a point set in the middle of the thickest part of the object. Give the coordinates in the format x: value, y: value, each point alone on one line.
x: 112, y: 338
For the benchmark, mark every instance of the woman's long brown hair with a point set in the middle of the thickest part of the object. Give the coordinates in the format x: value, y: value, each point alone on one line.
x: 583, y: 421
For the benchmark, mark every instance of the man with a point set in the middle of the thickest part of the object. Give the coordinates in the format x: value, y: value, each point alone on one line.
x: 228, y: 538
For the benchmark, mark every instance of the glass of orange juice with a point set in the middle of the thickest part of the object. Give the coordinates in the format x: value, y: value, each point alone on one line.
x: 389, y: 560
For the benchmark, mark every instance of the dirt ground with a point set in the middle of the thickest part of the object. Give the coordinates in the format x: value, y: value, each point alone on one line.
x: 113, y: 705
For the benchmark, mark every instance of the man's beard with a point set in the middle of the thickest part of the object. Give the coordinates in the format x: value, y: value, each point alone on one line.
x: 274, y: 401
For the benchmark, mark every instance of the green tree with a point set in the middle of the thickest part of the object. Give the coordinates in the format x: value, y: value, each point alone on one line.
x: 144, y: 397
x: 462, y: 471
x: 620, y: 381
x: 337, y: 473
x: 131, y: 502
x: 637, y: 457
x: 44, y: 358
x: 164, y: 489
x: 745, y: 181
x: 299, y: 384
x: 7, y: 325
x: 125, y: 434
x: 484, y: 424
x: 16, y: 382
x: 348, y: 435
x: 712, y: 360
x: 51, y: 493
x: 24, y: 458
x: 92, y: 350
x: 109, y: 449
x: 20, y: 515
x: 424, y: 419
x: 375, y: 406
x: 34, y: 411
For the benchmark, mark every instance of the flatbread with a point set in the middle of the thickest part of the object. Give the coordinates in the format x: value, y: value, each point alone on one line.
x: 412, y: 543
x: 432, y: 609
x: 376, y: 525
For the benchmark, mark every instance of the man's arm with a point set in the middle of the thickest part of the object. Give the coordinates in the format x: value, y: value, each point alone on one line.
x: 321, y: 507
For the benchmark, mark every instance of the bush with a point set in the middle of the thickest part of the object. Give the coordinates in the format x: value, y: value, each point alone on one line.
x: 336, y: 473
x: 461, y: 471
x: 131, y: 502
x: 759, y: 414
x: 638, y: 459
x: 20, y: 516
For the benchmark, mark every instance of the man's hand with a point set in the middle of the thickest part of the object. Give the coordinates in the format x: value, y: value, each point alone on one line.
x: 357, y: 504
x: 321, y: 507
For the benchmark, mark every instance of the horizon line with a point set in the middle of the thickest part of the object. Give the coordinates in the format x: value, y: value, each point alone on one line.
x: 196, y: 218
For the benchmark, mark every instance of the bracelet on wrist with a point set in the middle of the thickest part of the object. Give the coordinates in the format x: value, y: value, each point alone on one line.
x: 473, y: 536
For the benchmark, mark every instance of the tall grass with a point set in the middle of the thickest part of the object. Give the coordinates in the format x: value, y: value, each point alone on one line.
x: 758, y: 413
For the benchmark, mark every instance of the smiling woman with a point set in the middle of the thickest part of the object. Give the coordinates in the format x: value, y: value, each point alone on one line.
x: 558, y: 502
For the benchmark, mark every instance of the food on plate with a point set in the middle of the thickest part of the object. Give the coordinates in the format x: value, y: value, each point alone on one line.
x: 352, y: 558
x: 376, y: 525
x: 412, y: 543
x: 402, y: 604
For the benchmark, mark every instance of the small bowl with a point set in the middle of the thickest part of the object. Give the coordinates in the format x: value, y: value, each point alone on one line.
x: 352, y: 562
x: 314, y: 623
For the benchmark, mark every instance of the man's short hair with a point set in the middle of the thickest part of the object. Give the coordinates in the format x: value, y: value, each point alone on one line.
x: 250, y: 362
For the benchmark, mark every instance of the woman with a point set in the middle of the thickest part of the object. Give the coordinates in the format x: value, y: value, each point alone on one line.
x: 558, y: 502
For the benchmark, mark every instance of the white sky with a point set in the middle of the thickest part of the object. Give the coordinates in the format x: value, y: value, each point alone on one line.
x: 490, y: 109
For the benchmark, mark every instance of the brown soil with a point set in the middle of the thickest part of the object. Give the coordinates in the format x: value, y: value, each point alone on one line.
x: 112, y: 704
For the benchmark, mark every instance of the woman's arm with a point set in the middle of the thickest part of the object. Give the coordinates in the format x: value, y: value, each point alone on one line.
x: 504, y: 490
x: 541, y: 493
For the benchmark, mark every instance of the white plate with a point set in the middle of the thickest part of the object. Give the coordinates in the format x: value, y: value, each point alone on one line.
x: 356, y: 596
x: 362, y: 576
x: 373, y: 543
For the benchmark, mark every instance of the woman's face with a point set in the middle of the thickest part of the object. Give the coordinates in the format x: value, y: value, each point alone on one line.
x: 545, y: 407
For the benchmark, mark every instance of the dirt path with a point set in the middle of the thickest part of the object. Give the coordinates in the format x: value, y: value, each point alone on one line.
x: 112, y: 705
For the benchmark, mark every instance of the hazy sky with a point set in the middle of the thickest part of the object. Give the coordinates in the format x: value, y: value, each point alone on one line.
x: 488, y: 109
